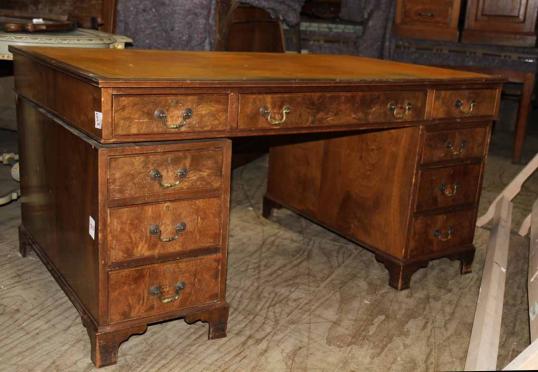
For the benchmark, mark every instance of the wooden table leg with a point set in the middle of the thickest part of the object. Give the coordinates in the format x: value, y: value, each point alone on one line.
x: 523, y: 114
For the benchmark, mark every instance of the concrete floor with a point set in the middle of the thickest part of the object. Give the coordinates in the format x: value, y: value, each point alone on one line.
x: 302, y: 298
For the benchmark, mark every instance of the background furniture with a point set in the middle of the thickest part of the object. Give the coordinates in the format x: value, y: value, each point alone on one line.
x: 428, y: 19
x: 501, y: 22
x: 247, y: 28
x: 79, y: 38
x: 94, y: 14
x: 516, y: 64
x: 136, y: 250
x: 497, y: 22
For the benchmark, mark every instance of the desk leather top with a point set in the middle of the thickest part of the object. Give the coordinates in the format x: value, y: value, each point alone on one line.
x: 110, y: 67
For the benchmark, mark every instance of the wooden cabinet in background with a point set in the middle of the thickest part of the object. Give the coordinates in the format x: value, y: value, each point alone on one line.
x: 501, y: 22
x: 428, y: 19
x: 497, y: 22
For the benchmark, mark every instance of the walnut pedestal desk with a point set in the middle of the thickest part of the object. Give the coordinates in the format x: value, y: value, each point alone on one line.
x: 125, y: 159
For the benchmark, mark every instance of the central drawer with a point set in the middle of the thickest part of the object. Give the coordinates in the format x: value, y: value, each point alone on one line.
x: 167, y: 287
x: 262, y: 111
x: 155, y: 230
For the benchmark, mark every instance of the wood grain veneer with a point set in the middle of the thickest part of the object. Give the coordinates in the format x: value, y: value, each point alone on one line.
x: 317, y: 109
x: 424, y: 239
x: 130, y: 176
x: 128, y: 228
x: 462, y: 103
x: 450, y: 144
x: 130, y: 67
x: 130, y: 296
x: 131, y: 217
x: 135, y: 114
x: 447, y: 186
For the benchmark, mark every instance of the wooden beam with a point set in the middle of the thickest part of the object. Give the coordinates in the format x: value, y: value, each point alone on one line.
x: 527, y: 360
x: 484, y: 344
x: 509, y: 191
x: 525, y: 226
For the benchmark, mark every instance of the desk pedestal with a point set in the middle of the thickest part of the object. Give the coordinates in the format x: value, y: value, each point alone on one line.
x: 391, y: 191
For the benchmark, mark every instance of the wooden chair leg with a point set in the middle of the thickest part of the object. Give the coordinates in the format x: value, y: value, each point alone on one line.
x: 522, y: 117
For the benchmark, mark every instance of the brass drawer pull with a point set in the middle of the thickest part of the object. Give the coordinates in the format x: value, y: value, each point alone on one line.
x: 399, y: 111
x: 266, y: 113
x: 155, y: 230
x: 156, y: 175
x: 426, y: 14
x: 444, y: 236
x: 452, y: 150
x: 449, y: 190
x: 466, y: 110
x: 163, y: 117
x: 157, y: 291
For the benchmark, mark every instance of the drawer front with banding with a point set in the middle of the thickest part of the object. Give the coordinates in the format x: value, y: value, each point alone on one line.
x: 155, y: 230
x: 454, y: 144
x: 441, y: 232
x: 169, y: 114
x: 164, y: 175
x: 464, y: 103
x: 166, y: 287
x: 266, y: 111
x: 448, y: 187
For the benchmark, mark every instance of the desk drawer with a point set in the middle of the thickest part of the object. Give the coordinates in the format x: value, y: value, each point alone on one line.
x: 454, y: 144
x: 419, y: 12
x: 167, y: 287
x: 162, y: 175
x: 162, y: 114
x: 447, y: 187
x: 437, y: 233
x: 464, y: 103
x: 154, y: 230
x: 259, y: 111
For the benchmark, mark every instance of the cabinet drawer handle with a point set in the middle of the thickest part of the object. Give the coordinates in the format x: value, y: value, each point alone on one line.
x: 463, y: 108
x: 266, y: 113
x: 155, y: 230
x: 426, y: 14
x: 399, y: 111
x: 157, y: 291
x: 454, y: 150
x: 156, y: 176
x: 163, y: 117
x: 449, y: 190
x: 444, y: 236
